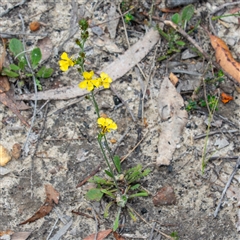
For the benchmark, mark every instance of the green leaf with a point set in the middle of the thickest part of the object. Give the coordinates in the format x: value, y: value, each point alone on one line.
x: 108, y: 193
x: 9, y: 73
x: 16, y: 47
x: 116, y: 222
x: 136, y: 186
x: 146, y: 172
x: 163, y: 34
x: 140, y: 194
x: 44, y: 72
x: 117, y: 163
x: 14, y: 67
x: 106, y: 210
x: 22, y: 64
x: 180, y: 43
x: 161, y: 58
x: 187, y: 14
x: 94, y: 194
x: 109, y: 173
x: 35, y: 57
x: 176, y: 18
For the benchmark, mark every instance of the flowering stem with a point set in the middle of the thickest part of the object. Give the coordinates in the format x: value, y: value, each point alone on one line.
x: 105, y: 157
x: 105, y: 139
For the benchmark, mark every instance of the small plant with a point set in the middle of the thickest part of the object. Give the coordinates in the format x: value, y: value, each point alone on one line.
x: 192, y: 105
x: 119, y: 186
x: 218, y: 78
x: 172, y: 37
x: 128, y: 18
x: 212, y: 102
x: 20, y: 69
x: 174, y: 235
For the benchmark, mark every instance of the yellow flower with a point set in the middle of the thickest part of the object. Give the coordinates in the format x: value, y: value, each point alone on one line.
x: 105, y: 80
x: 88, y: 82
x: 106, y: 124
x: 65, y: 62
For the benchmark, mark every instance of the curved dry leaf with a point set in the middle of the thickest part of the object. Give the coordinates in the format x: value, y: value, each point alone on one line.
x: 46, y: 208
x: 4, y: 156
x: 173, y: 119
x: 224, y: 58
x: 101, y: 235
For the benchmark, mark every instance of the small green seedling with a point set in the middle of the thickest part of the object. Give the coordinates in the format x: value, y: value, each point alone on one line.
x: 128, y: 18
x: 19, y: 70
x: 192, y: 105
x: 173, y: 38
x: 212, y: 102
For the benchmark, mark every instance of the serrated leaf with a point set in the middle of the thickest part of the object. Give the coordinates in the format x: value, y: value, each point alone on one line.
x: 146, y: 172
x: 117, y: 163
x: 14, y: 67
x: 35, y: 57
x: 180, y: 43
x: 187, y: 12
x: 176, y: 18
x: 108, y: 193
x: 109, y: 173
x: 106, y: 210
x: 44, y: 72
x: 16, y: 47
x: 9, y: 73
x: 94, y: 194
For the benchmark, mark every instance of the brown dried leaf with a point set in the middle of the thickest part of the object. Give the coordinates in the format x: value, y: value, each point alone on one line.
x: 4, y: 84
x: 52, y: 197
x: 4, y: 156
x: 52, y: 194
x: 225, y: 58
x: 101, y: 235
x: 117, y: 236
x: 16, y: 151
x: 173, y: 119
x: 116, y: 70
x: 173, y: 78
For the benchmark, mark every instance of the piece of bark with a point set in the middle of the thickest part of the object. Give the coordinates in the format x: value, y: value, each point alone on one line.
x: 115, y: 70
x: 173, y: 119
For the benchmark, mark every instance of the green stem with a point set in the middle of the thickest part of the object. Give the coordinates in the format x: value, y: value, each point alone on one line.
x: 95, y: 104
x: 105, y: 157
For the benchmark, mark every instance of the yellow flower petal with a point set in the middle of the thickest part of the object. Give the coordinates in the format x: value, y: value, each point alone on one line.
x: 88, y: 75
x: 64, y: 56
x: 82, y: 84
